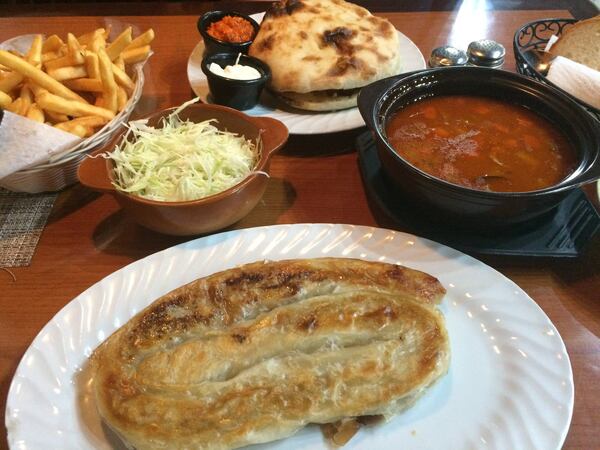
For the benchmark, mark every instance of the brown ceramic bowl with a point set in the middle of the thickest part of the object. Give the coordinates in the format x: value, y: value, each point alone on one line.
x: 207, y: 214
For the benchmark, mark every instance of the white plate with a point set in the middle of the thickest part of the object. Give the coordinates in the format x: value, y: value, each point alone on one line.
x: 298, y: 121
x: 510, y: 384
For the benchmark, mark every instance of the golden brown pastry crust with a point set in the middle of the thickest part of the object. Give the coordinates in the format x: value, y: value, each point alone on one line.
x: 254, y: 353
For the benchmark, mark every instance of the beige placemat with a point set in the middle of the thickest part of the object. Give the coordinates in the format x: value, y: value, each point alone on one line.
x: 22, y: 219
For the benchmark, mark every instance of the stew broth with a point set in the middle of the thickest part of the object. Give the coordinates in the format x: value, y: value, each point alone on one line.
x: 481, y: 143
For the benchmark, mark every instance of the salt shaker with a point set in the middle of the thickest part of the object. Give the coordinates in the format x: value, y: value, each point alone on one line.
x: 486, y: 53
x: 447, y: 56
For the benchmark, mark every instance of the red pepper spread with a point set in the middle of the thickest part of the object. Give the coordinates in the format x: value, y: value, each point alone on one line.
x: 231, y: 29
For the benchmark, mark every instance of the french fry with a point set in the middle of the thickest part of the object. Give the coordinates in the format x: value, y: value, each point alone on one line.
x: 72, y: 43
x: 26, y: 92
x: 11, y: 81
x: 98, y: 41
x: 24, y: 109
x: 91, y: 65
x: 119, y: 62
x: 34, y: 55
x: 116, y: 47
x: 35, y: 113
x: 55, y: 117
x: 69, y: 59
x: 38, y: 76
x: 50, y: 56
x: 84, y: 84
x: 107, y: 31
x: 52, y: 44
x: 74, y: 49
x: 26, y: 96
x: 35, y: 89
x: 87, y: 121
x: 77, y: 129
x: 62, y: 61
x: 14, y: 106
x: 121, y: 98
x: 89, y: 131
x: 86, y: 38
x: 136, y: 54
x: 68, y: 73
x: 18, y: 106
x: 99, y: 101
x: 123, y: 79
x: 143, y: 39
x: 82, y: 126
x: 5, y: 100
x: 109, y: 85
x: 56, y: 63
x: 48, y: 101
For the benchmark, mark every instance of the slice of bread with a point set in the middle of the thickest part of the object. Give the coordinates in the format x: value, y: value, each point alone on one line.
x: 581, y: 43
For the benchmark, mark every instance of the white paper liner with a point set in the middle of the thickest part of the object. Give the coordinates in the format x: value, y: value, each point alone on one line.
x: 25, y: 143
x: 579, y: 80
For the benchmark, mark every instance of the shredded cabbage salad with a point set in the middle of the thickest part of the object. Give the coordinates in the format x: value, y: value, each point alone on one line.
x: 182, y: 160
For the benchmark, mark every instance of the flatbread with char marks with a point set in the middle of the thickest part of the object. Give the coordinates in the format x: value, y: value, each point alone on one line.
x: 321, y: 52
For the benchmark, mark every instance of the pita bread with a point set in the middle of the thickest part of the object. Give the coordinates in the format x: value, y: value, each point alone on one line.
x: 325, y: 45
x: 321, y: 100
x: 253, y: 354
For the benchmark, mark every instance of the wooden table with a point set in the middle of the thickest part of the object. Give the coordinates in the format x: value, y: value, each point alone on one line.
x: 313, y: 179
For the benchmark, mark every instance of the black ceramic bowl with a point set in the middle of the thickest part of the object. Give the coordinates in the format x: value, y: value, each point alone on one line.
x: 238, y: 94
x: 463, y: 206
x: 213, y: 45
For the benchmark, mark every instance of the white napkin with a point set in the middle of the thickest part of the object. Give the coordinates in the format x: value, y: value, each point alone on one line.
x: 551, y: 42
x: 577, y: 79
x: 25, y: 143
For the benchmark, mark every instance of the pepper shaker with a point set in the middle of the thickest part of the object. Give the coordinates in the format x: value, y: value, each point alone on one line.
x: 486, y: 53
x: 447, y: 56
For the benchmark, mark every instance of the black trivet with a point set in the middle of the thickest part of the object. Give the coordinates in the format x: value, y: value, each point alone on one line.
x: 562, y: 233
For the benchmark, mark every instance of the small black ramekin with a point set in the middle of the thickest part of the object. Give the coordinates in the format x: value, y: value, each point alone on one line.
x: 213, y: 45
x: 238, y: 94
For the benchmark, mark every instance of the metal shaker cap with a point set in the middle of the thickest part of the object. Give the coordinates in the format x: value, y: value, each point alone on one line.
x: 446, y: 56
x: 486, y: 53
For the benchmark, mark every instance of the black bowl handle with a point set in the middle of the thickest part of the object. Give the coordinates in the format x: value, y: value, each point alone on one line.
x: 370, y: 95
x: 591, y: 174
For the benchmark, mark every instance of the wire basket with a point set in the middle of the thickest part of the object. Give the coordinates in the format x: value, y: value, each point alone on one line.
x: 535, y: 35
x: 61, y: 170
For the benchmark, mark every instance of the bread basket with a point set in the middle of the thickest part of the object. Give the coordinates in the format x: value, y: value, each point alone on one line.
x: 535, y: 35
x: 61, y: 170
